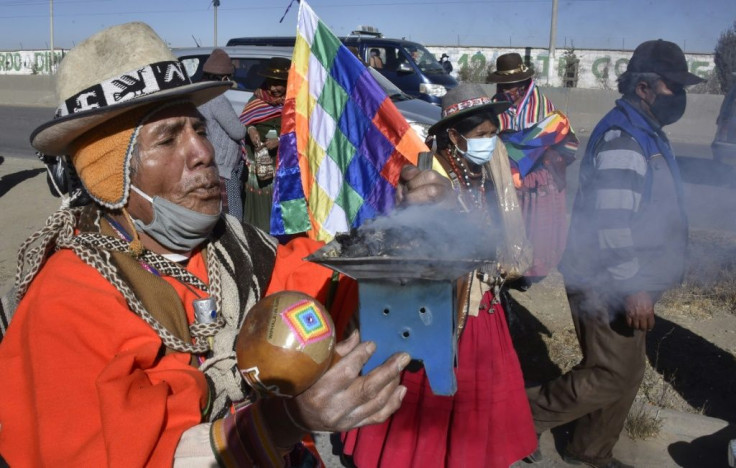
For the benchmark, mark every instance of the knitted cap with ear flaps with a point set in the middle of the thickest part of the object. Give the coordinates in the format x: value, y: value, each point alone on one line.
x: 114, y: 72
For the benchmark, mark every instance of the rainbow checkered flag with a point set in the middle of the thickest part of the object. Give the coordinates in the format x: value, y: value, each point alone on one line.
x: 527, y: 146
x: 343, y: 142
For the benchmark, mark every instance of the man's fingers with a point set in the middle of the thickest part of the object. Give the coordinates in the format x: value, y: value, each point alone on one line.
x: 419, y: 178
x: 383, y: 375
x: 376, y: 393
x: 345, y: 346
x: 380, y: 412
x: 408, y: 172
x: 352, y: 362
x: 650, y: 322
x: 428, y: 194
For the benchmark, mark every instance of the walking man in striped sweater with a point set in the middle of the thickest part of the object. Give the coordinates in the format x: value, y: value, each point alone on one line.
x: 626, y: 246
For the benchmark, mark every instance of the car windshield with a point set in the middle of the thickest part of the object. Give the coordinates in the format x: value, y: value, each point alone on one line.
x: 424, y: 59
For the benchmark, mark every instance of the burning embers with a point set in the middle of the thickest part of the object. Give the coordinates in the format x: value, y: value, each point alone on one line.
x: 406, y: 266
x: 421, y: 232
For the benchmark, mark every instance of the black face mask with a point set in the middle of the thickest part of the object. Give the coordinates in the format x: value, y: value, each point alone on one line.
x: 668, y: 109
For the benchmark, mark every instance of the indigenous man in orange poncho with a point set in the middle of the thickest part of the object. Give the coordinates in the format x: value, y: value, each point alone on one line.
x: 105, y: 362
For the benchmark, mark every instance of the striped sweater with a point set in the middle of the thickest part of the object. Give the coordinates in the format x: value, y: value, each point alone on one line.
x: 628, y: 230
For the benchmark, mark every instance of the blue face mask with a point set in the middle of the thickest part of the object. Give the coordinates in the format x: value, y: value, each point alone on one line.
x: 479, y: 150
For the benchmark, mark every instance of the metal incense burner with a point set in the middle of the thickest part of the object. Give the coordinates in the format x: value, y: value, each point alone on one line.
x: 406, y: 304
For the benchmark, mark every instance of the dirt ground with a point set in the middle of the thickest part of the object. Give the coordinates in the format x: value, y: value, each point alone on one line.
x: 691, y: 363
x: 691, y: 350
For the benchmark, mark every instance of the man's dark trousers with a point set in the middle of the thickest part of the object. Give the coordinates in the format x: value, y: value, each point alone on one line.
x: 599, y: 391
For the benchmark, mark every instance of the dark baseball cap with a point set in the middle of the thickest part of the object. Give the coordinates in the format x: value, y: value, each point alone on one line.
x: 664, y: 58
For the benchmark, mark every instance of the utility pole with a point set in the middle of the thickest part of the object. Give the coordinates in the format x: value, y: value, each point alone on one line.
x: 216, y: 3
x: 51, y: 16
x: 553, y: 30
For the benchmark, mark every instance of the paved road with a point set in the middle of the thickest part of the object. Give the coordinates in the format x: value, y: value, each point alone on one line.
x: 17, y: 123
x: 710, y: 187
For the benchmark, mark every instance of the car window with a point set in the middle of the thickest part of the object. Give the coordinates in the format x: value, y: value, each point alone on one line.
x: 375, y: 57
x: 247, y: 72
x: 423, y: 58
x: 193, y: 66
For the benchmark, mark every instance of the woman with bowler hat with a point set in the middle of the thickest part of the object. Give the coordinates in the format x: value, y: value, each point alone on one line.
x: 262, y: 118
x: 487, y: 422
x: 539, y: 165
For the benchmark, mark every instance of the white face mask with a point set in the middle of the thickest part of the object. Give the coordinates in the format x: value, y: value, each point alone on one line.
x: 479, y: 150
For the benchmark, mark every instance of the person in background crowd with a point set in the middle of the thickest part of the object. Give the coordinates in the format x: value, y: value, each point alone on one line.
x: 446, y: 64
x: 123, y: 369
x: 626, y: 246
x: 487, y: 422
x: 375, y: 59
x: 539, y: 165
x: 226, y: 134
x: 262, y: 118
x: 414, y: 53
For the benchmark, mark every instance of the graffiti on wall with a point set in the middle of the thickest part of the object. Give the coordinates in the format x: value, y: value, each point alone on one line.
x: 29, y: 62
x: 595, y: 68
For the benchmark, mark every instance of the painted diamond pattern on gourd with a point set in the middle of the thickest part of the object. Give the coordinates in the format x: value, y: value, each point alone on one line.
x: 307, y: 322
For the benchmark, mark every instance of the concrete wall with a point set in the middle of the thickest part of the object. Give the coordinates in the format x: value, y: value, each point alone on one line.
x: 597, y: 69
x: 584, y: 106
x: 29, y: 62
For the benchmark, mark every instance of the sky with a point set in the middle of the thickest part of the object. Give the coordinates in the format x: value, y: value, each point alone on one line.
x: 599, y: 24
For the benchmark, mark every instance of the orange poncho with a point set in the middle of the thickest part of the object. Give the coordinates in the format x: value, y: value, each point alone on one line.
x: 84, y: 381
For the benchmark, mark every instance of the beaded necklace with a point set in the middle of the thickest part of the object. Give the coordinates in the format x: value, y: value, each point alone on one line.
x: 460, y: 169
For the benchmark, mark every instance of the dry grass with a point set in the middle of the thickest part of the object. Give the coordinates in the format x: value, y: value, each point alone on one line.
x: 708, y: 293
x: 710, y: 280
x: 563, y: 349
x: 642, y: 423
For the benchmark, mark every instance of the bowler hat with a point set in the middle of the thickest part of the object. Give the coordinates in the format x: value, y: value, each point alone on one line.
x: 463, y: 101
x: 277, y: 68
x: 510, y: 69
x: 664, y: 58
x: 218, y: 63
x: 114, y: 71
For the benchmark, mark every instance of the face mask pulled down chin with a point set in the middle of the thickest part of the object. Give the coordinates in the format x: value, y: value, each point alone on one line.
x: 669, y: 108
x: 479, y: 150
x: 177, y: 228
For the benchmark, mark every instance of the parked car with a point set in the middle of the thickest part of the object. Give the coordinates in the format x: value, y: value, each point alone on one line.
x: 408, y: 65
x: 724, y: 143
x: 248, y: 60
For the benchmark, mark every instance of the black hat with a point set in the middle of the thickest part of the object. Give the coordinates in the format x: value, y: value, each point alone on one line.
x: 463, y: 101
x: 277, y: 69
x: 510, y: 69
x: 664, y: 58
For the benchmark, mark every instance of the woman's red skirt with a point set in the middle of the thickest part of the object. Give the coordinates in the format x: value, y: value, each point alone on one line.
x: 487, y: 423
